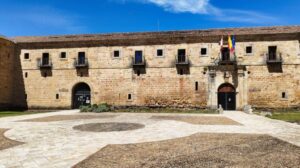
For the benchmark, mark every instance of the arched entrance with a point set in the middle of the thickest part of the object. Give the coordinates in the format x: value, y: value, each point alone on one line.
x: 227, y: 96
x: 81, y: 95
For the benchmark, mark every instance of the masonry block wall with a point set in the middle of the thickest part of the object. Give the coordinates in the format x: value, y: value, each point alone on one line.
x: 112, y: 80
x: 7, y: 48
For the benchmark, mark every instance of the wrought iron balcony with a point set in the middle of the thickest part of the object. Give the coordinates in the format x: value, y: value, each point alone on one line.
x: 138, y: 62
x: 274, y: 58
x: 182, y: 60
x: 44, y: 64
x: 81, y: 63
x: 229, y: 60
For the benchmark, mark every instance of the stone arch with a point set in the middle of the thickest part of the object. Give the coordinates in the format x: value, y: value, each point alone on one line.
x: 81, y: 95
x: 227, y: 96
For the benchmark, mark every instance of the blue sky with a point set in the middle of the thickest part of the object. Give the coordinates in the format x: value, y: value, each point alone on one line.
x: 49, y: 17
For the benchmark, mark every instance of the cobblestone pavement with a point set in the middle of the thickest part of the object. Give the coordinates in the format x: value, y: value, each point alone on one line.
x: 57, y: 144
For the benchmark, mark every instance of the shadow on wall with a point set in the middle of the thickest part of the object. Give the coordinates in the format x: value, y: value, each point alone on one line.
x: 275, y: 68
x: 19, y: 94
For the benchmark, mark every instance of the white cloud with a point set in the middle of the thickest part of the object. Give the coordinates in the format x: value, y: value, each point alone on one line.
x: 205, y: 7
x: 42, y: 17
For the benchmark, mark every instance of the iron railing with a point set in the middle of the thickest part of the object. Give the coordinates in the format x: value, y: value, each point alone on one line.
x: 81, y: 63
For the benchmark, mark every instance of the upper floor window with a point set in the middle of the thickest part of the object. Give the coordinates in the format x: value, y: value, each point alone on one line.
x: 181, y: 55
x: 249, y: 50
x: 26, y: 56
x: 138, y: 58
x: 181, y: 52
x: 116, y: 54
x: 203, y: 52
x: 272, y: 53
x: 299, y: 49
x: 159, y: 53
x: 45, y: 59
x: 63, y: 55
x: 81, y: 58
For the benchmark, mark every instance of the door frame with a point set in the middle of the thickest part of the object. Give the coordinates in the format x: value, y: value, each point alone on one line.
x: 225, y: 91
x: 74, y: 89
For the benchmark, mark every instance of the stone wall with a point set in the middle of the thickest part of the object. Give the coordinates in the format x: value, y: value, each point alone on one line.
x: 6, y: 72
x: 112, y: 79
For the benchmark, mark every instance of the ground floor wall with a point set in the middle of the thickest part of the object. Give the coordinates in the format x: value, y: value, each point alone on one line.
x: 254, y: 85
x: 159, y: 86
x: 274, y: 89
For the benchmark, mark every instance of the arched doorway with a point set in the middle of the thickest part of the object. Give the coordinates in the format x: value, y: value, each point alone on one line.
x: 81, y: 95
x: 227, y: 96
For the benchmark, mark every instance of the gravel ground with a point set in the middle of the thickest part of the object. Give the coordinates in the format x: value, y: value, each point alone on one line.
x: 6, y: 143
x: 199, y: 150
x: 108, y: 127
x: 203, y: 120
x: 68, y: 117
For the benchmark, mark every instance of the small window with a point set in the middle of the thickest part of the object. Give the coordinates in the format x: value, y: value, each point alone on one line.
x: 160, y: 53
x: 26, y: 74
x: 129, y: 97
x: 203, y: 51
x: 57, y: 96
x: 284, y: 95
x: 249, y: 50
x: 116, y: 53
x: 196, y: 86
x: 63, y: 55
x: 26, y: 56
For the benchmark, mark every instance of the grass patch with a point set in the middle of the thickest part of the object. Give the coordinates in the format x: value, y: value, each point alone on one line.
x: 15, y: 113
x: 293, y: 117
x: 163, y: 110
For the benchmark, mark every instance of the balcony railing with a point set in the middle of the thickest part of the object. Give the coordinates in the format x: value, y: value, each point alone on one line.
x: 138, y: 62
x: 182, y: 60
x: 273, y: 58
x: 81, y: 63
x: 230, y: 60
x: 45, y: 64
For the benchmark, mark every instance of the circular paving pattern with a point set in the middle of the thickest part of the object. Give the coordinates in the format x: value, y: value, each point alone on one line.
x: 108, y: 127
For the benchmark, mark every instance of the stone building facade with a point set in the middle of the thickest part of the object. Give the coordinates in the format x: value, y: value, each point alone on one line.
x: 179, y: 68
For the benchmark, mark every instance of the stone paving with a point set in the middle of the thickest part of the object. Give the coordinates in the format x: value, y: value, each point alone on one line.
x: 57, y: 145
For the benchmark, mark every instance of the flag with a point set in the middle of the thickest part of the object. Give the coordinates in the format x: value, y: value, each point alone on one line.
x: 230, y: 46
x: 233, y: 44
x: 221, y: 43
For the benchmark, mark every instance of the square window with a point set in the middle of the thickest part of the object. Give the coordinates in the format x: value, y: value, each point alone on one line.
x: 249, y: 50
x: 284, y: 95
x: 160, y: 53
x: 26, y: 56
x: 116, y: 53
x: 203, y: 51
x: 63, y: 55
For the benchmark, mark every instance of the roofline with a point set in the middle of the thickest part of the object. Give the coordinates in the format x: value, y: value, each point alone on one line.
x: 272, y: 33
x: 6, y: 38
x: 161, y: 32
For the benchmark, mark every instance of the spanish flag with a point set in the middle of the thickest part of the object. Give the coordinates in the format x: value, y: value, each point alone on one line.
x: 230, y: 45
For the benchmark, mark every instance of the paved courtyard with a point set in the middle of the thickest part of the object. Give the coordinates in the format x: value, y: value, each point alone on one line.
x: 47, y: 140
